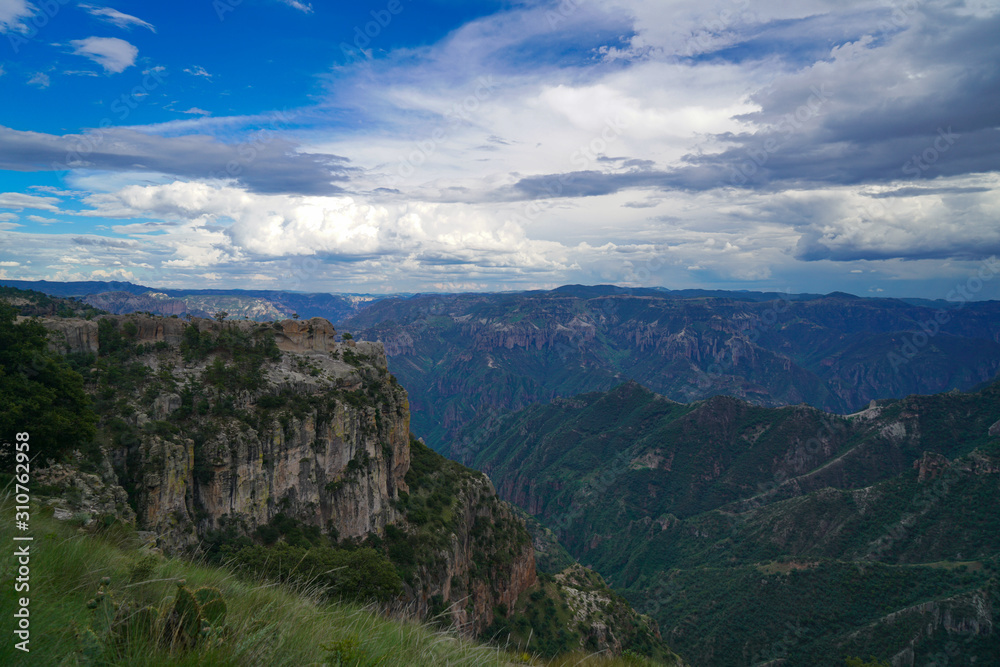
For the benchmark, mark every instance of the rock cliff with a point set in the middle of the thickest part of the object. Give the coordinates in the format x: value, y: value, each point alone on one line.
x: 215, y: 428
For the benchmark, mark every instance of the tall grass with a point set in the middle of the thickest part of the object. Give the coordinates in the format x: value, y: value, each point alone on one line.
x: 266, y: 624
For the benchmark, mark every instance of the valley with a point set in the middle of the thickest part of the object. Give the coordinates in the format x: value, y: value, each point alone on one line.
x: 688, y: 480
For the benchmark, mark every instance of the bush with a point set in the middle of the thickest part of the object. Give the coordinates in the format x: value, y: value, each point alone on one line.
x: 360, y: 575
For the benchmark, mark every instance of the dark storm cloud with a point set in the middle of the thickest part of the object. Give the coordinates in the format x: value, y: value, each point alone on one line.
x: 922, y: 104
x: 268, y: 164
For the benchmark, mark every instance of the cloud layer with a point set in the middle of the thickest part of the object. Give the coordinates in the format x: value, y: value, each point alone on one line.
x: 762, y: 145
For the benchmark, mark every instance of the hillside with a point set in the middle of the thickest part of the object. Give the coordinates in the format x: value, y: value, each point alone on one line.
x: 76, y: 618
x: 278, y: 449
x: 463, y: 356
x: 756, y: 533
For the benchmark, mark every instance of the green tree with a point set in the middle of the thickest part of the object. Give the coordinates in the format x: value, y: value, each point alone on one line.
x: 39, y: 393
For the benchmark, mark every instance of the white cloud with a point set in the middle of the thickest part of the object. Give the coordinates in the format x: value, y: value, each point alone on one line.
x: 301, y: 6
x: 42, y: 221
x: 7, y: 226
x: 116, y: 18
x: 209, y: 227
x: 10, y: 264
x: 198, y: 70
x: 115, y: 274
x: 39, y: 79
x: 198, y: 112
x: 19, y: 201
x: 13, y: 14
x: 113, y: 54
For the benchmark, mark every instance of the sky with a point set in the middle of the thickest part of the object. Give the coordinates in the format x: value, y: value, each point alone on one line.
x: 446, y: 145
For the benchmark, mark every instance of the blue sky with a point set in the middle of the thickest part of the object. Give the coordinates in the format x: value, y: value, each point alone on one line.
x: 438, y: 145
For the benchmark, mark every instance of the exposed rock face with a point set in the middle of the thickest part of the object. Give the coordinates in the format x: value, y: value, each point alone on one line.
x: 300, y: 336
x: 322, y: 436
x: 126, y: 302
x: 335, y: 465
x: 84, y: 495
x: 463, y: 356
x: 72, y: 335
x: 468, y: 591
x: 962, y: 618
x: 930, y: 466
x: 315, y: 335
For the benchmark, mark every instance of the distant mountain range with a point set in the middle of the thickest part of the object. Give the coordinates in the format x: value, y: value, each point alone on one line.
x: 122, y: 298
x: 466, y: 356
x: 774, y: 534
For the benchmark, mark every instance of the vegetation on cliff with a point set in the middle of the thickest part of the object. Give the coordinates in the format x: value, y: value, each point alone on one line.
x: 40, y: 393
x: 294, y: 467
x: 263, y: 623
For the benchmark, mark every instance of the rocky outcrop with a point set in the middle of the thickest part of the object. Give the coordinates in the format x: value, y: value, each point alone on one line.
x: 72, y: 335
x: 121, y: 303
x: 962, y: 619
x: 336, y: 464
x: 317, y: 430
x: 73, y: 494
x: 488, y: 563
x: 930, y: 466
x: 314, y: 335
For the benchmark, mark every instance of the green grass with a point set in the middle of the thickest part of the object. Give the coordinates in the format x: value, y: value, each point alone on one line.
x: 266, y: 624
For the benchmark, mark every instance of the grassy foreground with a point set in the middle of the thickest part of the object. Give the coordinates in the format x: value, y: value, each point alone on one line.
x: 265, y: 624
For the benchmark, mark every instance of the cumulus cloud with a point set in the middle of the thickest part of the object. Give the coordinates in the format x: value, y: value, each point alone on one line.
x: 116, y: 18
x: 206, y: 223
x: 691, y: 142
x: 113, y: 54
